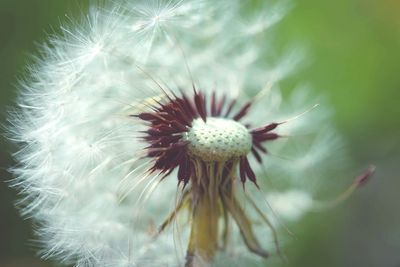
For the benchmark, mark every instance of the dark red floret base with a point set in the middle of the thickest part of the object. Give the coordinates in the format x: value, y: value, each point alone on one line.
x: 170, y: 119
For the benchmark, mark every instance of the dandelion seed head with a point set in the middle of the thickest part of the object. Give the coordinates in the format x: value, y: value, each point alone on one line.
x: 137, y: 112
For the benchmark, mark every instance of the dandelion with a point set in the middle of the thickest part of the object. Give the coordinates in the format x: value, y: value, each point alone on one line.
x: 147, y: 128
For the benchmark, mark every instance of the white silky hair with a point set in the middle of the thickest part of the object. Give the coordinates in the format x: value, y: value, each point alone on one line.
x: 81, y: 172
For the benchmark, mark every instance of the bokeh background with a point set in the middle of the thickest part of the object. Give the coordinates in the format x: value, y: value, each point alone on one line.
x: 354, y: 60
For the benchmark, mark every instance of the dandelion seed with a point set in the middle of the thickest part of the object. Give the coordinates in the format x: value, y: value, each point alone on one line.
x: 147, y: 127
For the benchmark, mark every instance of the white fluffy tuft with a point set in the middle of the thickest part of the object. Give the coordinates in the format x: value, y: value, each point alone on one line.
x: 81, y: 174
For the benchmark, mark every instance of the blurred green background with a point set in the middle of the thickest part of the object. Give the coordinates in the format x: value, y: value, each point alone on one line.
x: 355, y: 61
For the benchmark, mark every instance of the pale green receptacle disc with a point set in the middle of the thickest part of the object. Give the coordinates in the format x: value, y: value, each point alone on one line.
x: 218, y: 139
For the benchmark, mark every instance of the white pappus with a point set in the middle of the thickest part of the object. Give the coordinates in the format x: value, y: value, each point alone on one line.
x: 109, y: 168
